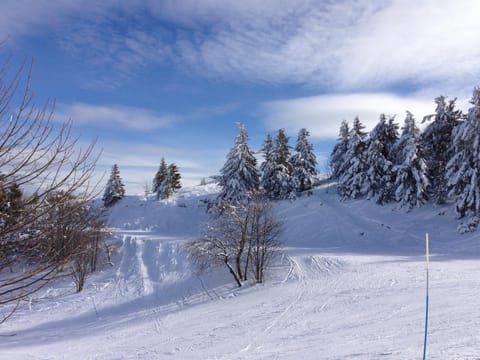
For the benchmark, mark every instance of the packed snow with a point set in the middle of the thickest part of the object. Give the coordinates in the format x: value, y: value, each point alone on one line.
x: 349, y: 284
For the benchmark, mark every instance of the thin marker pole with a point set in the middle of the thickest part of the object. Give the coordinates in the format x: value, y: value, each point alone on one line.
x: 426, y: 307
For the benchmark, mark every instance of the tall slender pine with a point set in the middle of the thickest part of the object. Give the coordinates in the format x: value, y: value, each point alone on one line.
x: 114, y: 190
x: 353, y: 168
x: 437, y: 143
x: 282, y: 181
x: 161, y: 174
x: 337, y: 157
x: 463, y: 169
x: 304, y: 162
x: 239, y: 175
x: 411, y: 171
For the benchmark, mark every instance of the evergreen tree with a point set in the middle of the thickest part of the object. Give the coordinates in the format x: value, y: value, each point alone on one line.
x: 391, y: 138
x: 161, y: 174
x: 115, y: 189
x: 304, y: 162
x: 437, y: 143
x: 463, y: 169
x: 267, y: 166
x: 170, y: 184
x: 239, y: 175
x: 283, y: 186
x: 11, y: 204
x: 339, y: 150
x: 174, y: 178
x: 353, y: 169
x: 411, y: 171
x: 379, y: 178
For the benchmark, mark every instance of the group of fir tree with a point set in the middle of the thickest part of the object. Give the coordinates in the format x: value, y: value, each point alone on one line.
x: 280, y: 176
x: 440, y: 164
x: 167, y: 180
x: 165, y: 183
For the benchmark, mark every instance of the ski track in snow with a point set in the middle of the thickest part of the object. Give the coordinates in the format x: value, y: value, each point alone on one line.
x: 333, y: 294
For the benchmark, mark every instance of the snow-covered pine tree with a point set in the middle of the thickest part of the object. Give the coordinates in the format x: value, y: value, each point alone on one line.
x: 353, y: 169
x: 304, y: 162
x: 437, y: 144
x: 392, y: 137
x: 283, y: 186
x: 378, y: 182
x: 411, y: 180
x: 161, y: 174
x: 463, y: 169
x: 114, y: 189
x: 171, y: 183
x: 339, y: 150
x: 267, y: 167
x: 239, y: 175
x: 174, y: 177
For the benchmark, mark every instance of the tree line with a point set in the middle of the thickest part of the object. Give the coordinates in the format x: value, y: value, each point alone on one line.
x: 244, y: 233
x: 439, y: 164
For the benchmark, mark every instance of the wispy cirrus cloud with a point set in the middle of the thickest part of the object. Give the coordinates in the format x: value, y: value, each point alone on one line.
x: 114, y: 116
x: 346, y: 45
x: 341, y: 45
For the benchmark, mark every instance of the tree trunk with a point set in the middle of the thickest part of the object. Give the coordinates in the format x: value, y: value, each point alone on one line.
x: 234, y: 274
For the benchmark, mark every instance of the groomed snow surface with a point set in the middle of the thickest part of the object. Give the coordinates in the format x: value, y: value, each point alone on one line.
x: 350, y: 284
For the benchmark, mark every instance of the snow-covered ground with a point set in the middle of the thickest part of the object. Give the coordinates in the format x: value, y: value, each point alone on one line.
x: 350, y: 284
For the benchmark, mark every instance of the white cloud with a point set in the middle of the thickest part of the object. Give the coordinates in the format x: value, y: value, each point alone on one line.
x: 344, y: 45
x: 419, y: 41
x: 322, y: 115
x: 115, y: 116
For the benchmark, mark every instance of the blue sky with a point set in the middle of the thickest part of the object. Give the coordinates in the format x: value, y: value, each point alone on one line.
x: 152, y: 79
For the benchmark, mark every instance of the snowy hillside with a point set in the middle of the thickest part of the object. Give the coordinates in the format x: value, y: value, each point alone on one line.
x: 350, y: 284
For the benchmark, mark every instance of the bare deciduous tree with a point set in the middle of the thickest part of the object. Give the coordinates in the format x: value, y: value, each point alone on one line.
x: 242, y: 237
x: 44, y: 159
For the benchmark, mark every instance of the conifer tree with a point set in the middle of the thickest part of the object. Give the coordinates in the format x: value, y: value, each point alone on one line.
x: 10, y: 205
x: 283, y: 186
x: 304, y: 162
x: 391, y: 138
x: 339, y: 150
x: 170, y: 184
x: 267, y: 166
x: 411, y: 171
x: 161, y: 174
x: 437, y: 144
x: 115, y: 189
x: 353, y: 169
x: 174, y: 177
x: 379, y: 178
x: 239, y: 175
x: 463, y: 170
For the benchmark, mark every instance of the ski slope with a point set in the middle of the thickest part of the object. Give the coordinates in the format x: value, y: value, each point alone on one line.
x: 350, y: 284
